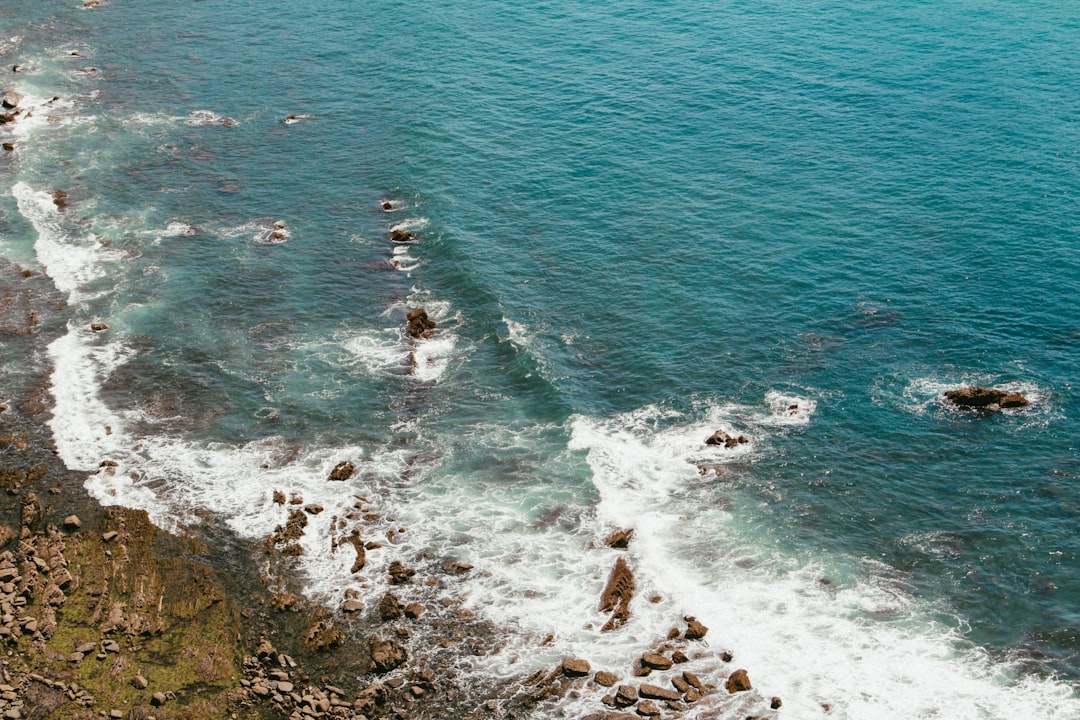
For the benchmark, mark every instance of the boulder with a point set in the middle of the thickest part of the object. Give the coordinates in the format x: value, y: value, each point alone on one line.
x: 455, y: 567
x: 626, y: 695
x: 738, y: 681
x: 72, y: 522
x: 605, y: 679
x: 387, y: 655
x: 6, y: 118
x: 617, y: 594
x: 11, y: 99
x: 575, y: 667
x: 695, y: 630
x: 322, y: 633
x: 351, y: 607
x: 342, y: 471
x: 722, y: 438
x: 648, y: 709
x: 977, y: 396
x: 776, y: 703
x: 399, y: 574
x: 619, y: 539
x: 98, y: 326
x: 9, y: 146
x: 401, y: 236
x: 420, y: 325
x: 694, y: 681
x: 656, y: 661
x: 390, y: 608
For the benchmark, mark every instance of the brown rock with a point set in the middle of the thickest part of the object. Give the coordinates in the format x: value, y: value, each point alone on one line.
x: 605, y: 679
x: 679, y: 657
x: 695, y: 630
x: 60, y: 199
x: 139, y: 682
x: 575, y: 667
x: 414, y: 610
x: 656, y: 692
x: 11, y: 99
x: 9, y: 146
x: 361, y: 552
x: 350, y: 607
x: 692, y: 695
x: 648, y: 709
x: 456, y: 568
x: 342, y: 471
x: 620, y: 539
x: 399, y: 574
x: 387, y: 655
x: 322, y: 632
x: 656, y: 662
x: 722, y: 438
x: 738, y: 681
x: 72, y: 522
x: 680, y: 684
x: 776, y: 703
x: 106, y: 537
x: 98, y: 326
x: 420, y: 325
x: 694, y: 682
x: 401, y: 236
x: 617, y: 594
x: 390, y: 607
x: 279, y: 497
x: 626, y: 695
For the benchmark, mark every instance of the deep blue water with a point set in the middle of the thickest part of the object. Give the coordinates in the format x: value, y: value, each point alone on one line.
x: 662, y: 218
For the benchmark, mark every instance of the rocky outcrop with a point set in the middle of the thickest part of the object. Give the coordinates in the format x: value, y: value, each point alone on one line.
x: 321, y: 633
x: 575, y: 667
x: 387, y: 655
x: 342, y: 471
x: 616, y: 595
x: 420, y: 325
x: 11, y: 100
x: 980, y: 397
x: 722, y: 438
x: 402, y: 236
x: 620, y: 539
x: 399, y: 574
x: 60, y: 199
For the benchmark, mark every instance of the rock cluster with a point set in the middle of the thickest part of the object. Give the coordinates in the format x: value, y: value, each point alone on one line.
x: 722, y: 438
x: 420, y: 325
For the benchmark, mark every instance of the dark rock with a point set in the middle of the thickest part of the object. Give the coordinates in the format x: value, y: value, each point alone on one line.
x: 722, y: 438
x: 390, y: 608
x: 387, y: 655
x: 619, y: 539
x: 726, y: 656
x: 738, y: 681
x: 414, y: 610
x: 342, y: 471
x: 386, y: 205
x: 776, y: 703
x: 399, y: 574
x: 695, y: 630
x: 6, y: 118
x: 656, y: 662
x: 9, y: 146
x: 322, y: 632
x: 575, y: 667
x: 977, y: 396
x: 279, y: 497
x: 11, y: 99
x: 420, y: 325
x: 617, y: 594
x: 656, y: 692
x: 692, y: 695
x: 60, y: 199
x: 361, y: 552
x: 402, y: 236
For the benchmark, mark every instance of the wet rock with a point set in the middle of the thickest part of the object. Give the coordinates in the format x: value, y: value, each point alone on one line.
x: 616, y: 595
x: 11, y: 100
x: 420, y: 325
x: 351, y: 607
x: 680, y: 684
x: 390, y: 608
x: 399, y: 574
x: 402, y: 236
x: 361, y: 552
x: 656, y: 662
x: 414, y: 610
x: 60, y: 199
x: 722, y: 438
x: 692, y: 695
x: 738, y: 681
x: 620, y: 539
x: 656, y: 692
x: 456, y: 568
x: 98, y: 326
x: 695, y: 630
x: 342, y: 471
x: 626, y: 695
x: 679, y: 657
x: 776, y: 703
x: 977, y: 396
x: 575, y: 667
x: 386, y: 205
x: 313, y: 509
x: 387, y: 655
x: 605, y: 679
x: 9, y: 146
x: 279, y: 497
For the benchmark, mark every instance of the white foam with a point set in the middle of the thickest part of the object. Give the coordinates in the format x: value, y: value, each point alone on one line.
x: 410, y: 224
x: 209, y: 118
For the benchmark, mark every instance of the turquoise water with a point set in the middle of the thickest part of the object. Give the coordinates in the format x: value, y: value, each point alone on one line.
x: 637, y: 223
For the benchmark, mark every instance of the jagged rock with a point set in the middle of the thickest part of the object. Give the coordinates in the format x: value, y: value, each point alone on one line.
x: 679, y: 657
x: 414, y: 610
x: 9, y: 146
x: 72, y: 522
x: 387, y: 655
x: 98, y: 326
x: 33, y: 515
x: 605, y: 679
x: 6, y: 535
x: 399, y: 574
x: 455, y: 567
x: 977, y: 396
x: 626, y: 695
x: 322, y: 632
x: 617, y: 594
x: 11, y: 99
x: 6, y: 118
x: 342, y: 471
x: 390, y: 608
x: 60, y: 199
x: 658, y: 693
x: 420, y: 325
x: 619, y: 539
x: 656, y: 662
x: 738, y: 681
x: 575, y: 667
x: 722, y: 438
x: 313, y: 509
x: 692, y: 695
x: 361, y: 554
x: 695, y: 630
x: 293, y: 528
x: 265, y: 649
x: 279, y: 497
x: 401, y: 236
x: 350, y: 607
x: 694, y: 681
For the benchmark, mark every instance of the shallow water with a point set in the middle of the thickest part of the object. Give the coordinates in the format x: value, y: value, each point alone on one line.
x: 635, y: 225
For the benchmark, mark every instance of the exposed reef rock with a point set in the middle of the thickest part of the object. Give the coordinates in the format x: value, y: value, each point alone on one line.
x: 420, y: 325
x: 616, y: 595
x: 980, y: 397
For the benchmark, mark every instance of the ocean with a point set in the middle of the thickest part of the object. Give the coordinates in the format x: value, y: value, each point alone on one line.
x: 634, y: 224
